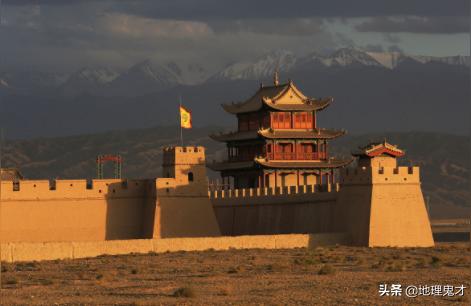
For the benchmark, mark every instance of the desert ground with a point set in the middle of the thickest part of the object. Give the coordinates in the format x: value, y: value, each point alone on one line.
x: 335, y: 275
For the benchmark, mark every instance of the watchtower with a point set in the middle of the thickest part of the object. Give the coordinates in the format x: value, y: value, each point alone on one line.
x: 185, y: 164
x: 183, y: 206
x: 383, y: 203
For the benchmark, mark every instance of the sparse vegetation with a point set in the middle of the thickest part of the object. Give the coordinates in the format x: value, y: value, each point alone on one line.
x: 11, y: 281
x: 46, y: 282
x: 436, y: 261
x: 237, y: 277
x: 187, y: 292
x: 26, y: 266
x: 326, y: 270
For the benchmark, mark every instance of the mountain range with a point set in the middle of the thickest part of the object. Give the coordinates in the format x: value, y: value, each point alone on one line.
x: 148, y: 76
x: 373, y: 91
x: 443, y: 158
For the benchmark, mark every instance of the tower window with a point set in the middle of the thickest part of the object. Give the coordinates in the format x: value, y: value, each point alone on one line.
x: 190, y: 176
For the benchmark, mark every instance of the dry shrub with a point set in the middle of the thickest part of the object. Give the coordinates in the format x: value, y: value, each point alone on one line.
x: 436, y: 262
x: 46, y: 282
x: 11, y: 281
x: 421, y: 263
x: 233, y: 270
x: 395, y: 266
x: 268, y: 267
x: 326, y: 270
x: 26, y: 266
x: 228, y: 290
x: 187, y: 292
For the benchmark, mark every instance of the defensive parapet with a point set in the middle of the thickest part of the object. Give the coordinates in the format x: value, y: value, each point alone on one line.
x: 248, y: 193
x: 383, y: 203
x: 76, y: 210
x: 380, y: 175
x: 254, y: 211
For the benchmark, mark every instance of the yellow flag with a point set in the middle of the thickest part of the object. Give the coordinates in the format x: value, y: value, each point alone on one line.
x: 185, y: 118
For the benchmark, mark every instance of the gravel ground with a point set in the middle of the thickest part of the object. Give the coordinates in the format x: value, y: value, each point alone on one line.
x: 334, y: 275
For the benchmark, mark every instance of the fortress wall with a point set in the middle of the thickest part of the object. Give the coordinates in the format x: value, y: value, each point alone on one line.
x: 263, y: 211
x: 398, y: 213
x: 69, y: 210
x: 385, y: 207
x: 21, y: 251
x: 354, y: 203
x: 183, y: 208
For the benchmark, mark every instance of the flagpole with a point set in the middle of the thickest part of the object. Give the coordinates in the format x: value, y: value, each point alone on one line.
x: 181, y: 128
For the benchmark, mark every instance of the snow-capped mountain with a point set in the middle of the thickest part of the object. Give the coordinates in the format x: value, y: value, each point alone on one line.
x: 261, y: 68
x: 149, y: 76
x: 88, y: 80
x: 387, y: 59
x: 188, y: 74
x: 349, y: 56
x: 142, y: 78
x: 28, y: 79
x: 99, y: 75
x: 458, y: 60
x: 264, y: 67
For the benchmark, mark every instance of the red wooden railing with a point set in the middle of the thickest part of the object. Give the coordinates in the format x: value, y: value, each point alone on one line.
x: 296, y: 156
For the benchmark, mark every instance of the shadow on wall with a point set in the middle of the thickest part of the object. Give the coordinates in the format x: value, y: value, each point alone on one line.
x: 322, y: 239
x: 184, y: 208
x: 130, y: 206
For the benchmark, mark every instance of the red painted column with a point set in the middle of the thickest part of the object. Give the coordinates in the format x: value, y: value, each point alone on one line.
x: 276, y: 179
x: 297, y: 178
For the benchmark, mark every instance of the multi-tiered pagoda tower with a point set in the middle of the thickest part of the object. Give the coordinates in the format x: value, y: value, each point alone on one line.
x: 278, y: 142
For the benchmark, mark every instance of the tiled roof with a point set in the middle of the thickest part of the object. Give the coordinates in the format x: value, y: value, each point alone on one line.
x: 260, y: 162
x: 279, y: 134
x: 379, y: 148
x: 268, y: 94
x: 10, y: 174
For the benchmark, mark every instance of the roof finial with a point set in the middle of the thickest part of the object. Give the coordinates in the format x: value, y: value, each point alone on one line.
x: 275, y: 78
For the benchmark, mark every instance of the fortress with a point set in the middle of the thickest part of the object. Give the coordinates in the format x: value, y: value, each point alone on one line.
x: 274, y: 204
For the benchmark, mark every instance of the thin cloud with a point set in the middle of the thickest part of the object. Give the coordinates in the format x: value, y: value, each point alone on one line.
x: 139, y: 27
x: 415, y: 24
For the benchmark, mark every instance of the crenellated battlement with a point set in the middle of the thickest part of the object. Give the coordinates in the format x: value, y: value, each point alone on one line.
x: 278, y: 191
x: 183, y: 155
x: 75, y: 189
x: 380, y: 175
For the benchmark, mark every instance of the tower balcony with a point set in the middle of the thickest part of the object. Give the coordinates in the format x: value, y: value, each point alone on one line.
x: 296, y: 155
x: 281, y: 156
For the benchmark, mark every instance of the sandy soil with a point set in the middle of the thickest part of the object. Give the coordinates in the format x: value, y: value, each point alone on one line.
x: 324, y: 276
